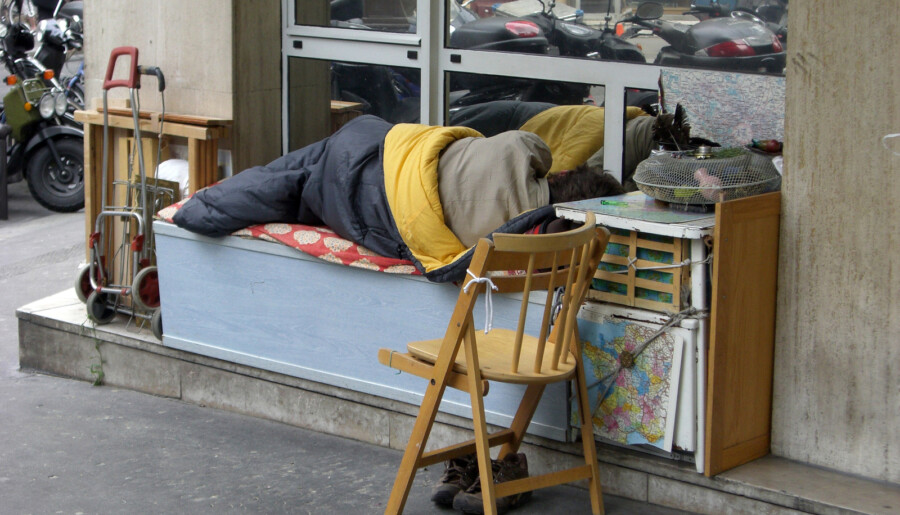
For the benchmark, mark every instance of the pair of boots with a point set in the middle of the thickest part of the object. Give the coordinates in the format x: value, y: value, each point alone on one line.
x: 460, y: 485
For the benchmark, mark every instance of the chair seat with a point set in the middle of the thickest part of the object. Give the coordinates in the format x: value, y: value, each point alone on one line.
x: 495, y: 355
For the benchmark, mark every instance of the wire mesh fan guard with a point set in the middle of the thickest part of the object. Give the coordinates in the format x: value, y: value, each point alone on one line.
x: 681, y: 178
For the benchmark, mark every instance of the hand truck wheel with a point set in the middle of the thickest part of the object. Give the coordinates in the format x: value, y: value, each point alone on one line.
x: 83, y: 286
x: 145, y: 289
x: 98, y: 308
x: 156, y: 324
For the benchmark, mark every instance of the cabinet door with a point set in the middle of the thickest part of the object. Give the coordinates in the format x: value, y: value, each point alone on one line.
x: 742, y: 332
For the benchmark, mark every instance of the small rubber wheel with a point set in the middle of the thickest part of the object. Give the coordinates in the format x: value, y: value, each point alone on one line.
x: 156, y: 324
x: 83, y: 283
x: 145, y: 289
x: 98, y: 308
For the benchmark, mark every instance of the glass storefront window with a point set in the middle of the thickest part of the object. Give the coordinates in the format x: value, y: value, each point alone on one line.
x: 324, y: 94
x: 389, y: 92
x: 379, y: 15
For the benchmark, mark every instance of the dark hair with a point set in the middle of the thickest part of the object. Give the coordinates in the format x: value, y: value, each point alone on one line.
x: 582, y: 183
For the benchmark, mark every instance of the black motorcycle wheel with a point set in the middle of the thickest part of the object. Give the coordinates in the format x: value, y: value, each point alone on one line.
x: 58, y: 186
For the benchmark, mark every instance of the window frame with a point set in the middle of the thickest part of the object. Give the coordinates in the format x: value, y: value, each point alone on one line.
x: 425, y: 50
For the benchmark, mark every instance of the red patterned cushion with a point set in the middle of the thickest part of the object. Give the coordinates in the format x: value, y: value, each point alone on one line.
x: 320, y: 242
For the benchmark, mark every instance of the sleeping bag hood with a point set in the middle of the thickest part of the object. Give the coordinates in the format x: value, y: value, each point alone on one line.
x: 411, y: 154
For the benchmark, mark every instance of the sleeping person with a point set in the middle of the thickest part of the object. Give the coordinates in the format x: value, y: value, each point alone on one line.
x: 408, y: 191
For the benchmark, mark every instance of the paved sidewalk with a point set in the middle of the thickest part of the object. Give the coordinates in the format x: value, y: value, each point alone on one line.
x: 70, y: 447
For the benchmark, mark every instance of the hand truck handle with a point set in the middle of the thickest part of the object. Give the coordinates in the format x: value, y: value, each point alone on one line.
x: 154, y: 70
x: 133, y: 80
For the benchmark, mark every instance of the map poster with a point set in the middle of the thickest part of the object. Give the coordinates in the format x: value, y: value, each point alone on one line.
x: 639, y: 405
x: 731, y: 109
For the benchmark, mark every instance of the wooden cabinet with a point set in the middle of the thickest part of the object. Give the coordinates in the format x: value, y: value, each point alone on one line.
x: 735, y: 364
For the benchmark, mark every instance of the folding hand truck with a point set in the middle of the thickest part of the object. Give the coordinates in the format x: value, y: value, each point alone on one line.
x: 116, y: 274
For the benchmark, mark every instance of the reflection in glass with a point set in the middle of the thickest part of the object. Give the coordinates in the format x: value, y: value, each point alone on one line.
x: 389, y: 92
x: 486, y: 97
x: 727, y: 35
x: 323, y: 95
x: 470, y: 88
x: 529, y: 26
x: 574, y: 134
x: 380, y: 15
x: 308, y: 111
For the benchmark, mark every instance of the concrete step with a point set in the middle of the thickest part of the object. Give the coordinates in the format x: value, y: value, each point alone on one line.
x: 55, y: 337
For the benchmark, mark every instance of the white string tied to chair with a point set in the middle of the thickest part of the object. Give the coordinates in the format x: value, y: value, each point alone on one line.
x: 488, y: 305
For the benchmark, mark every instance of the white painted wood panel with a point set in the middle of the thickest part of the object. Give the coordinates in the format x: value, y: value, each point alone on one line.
x: 272, y: 307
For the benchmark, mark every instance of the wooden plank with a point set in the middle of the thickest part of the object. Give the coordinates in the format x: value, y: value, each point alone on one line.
x: 654, y: 285
x: 681, y: 276
x: 93, y: 140
x: 742, y: 332
x: 543, y: 481
x: 172, y: 118
x: 611, y: 277
x: 621, y: 240
x: 204, y: 165
x: 212, y: 161
x: 496, y: 438
x: 195, y: 176
x: 341, y: 106
x: 655, y: 245
x: 651, y: 305
x: 148, y: 126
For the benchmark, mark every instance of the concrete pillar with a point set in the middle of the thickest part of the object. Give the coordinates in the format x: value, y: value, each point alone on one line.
x: 221, y: 59
x: 837, y: 384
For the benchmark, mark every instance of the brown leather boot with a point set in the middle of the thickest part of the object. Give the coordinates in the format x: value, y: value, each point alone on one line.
x: 459, y: 474
x: 513, y: 466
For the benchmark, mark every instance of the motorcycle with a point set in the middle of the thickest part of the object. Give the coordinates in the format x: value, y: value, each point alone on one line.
x: 42, y: 148
x: 57, y: 26
x: 60, y: 41
x: 736, y: 42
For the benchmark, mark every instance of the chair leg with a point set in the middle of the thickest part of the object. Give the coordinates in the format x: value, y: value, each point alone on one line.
x: 524, y: 414
x: 482, y: 445
x: 414, y: 448
x: 587, y: 437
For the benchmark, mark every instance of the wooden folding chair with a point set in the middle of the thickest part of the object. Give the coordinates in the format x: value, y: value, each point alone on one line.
x: 511, y: 263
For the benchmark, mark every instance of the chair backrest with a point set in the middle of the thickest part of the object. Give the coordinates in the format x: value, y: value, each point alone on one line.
x: 531, y: 262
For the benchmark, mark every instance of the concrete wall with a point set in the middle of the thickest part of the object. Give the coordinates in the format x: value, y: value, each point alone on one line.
x: 220, y: 60
x: 837, y: 379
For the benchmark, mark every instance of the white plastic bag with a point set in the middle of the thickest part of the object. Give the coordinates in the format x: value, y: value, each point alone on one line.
x: 175, y: 170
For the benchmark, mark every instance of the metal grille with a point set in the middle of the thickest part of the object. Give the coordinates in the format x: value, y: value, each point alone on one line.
x: 706, y: 176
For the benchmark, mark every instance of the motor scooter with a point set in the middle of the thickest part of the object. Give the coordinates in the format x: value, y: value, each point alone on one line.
x: 771, y: 13
x: 569, y: 36
x: 735, y: 43
x: 41, y: 148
